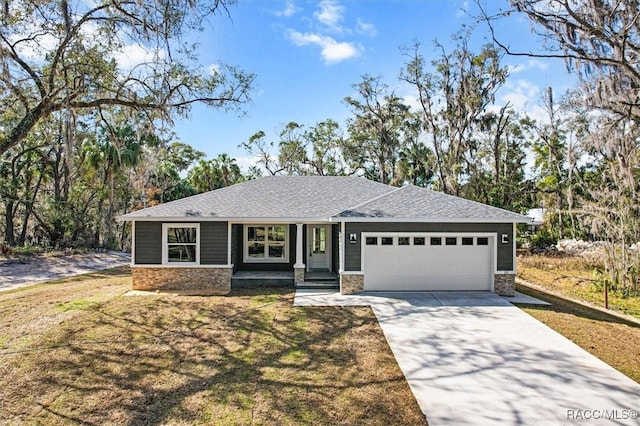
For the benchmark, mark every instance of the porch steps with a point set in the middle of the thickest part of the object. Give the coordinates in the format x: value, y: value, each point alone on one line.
x: 319, y: 284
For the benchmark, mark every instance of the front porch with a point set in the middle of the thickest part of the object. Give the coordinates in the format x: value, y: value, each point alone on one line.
x: 304, y: 255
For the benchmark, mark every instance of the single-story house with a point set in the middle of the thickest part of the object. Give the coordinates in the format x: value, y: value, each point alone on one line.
x: 370, y: 236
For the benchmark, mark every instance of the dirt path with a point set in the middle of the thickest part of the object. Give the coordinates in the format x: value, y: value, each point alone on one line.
x: 22, y: 272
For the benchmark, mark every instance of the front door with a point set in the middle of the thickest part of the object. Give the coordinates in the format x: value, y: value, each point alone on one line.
x: 319, y: 252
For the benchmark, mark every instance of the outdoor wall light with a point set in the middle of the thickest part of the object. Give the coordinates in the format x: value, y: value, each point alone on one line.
x: 505, y: 238
x: 353, y: 238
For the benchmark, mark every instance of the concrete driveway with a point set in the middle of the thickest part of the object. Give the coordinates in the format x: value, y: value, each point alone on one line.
x: 475, y: 359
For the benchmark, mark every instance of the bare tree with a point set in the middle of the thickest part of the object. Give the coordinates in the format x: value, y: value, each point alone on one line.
x: 600, y: 39
x: 57, y: 55
x: 452, y: 100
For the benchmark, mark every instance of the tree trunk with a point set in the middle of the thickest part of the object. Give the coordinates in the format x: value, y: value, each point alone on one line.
x: 8, y: 220
x: 28, y: 209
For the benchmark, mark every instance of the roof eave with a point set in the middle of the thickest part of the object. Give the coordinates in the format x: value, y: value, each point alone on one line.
x: 434, y: 220
x: 334, y: 219
x: 223, y: 219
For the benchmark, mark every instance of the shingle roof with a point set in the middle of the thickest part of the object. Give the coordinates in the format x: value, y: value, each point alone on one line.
x: 323, y: 198
x: 272, y: 197
x: 412, y: 202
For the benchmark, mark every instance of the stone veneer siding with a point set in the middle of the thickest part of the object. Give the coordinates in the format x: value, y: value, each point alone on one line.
x: 351, y: 284
x: 298, y: 275
x: 504, y: 284
x: 195, y: 281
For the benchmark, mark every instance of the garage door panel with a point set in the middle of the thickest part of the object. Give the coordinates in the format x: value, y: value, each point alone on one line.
x: 427, y: 268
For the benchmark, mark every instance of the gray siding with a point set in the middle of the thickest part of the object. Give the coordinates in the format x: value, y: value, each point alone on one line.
x: 335, y: 247
x: 148, y: 250
x: 238, y: 235
x: 353, y: 255
x: 213, y: 243
x: 236, y: 231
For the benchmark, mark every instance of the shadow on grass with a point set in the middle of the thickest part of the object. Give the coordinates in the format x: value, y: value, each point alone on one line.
x: 249, y: 357
x: 120, y: 271
x: 559, y: 304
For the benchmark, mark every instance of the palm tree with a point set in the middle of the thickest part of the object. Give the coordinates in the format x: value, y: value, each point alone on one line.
x: 113, y: 150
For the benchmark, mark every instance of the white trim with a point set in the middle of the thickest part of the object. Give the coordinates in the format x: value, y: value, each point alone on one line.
x: 133, y: 242
x: 328, y: 243
x: 245, y: 254
x: 352, y: 273
x: 299, y: 246
x: 229, y: 231
x: 425, y: 220
x: 342, y: 243
x: 333, y: 219
x: 183, y: 265
x: 513, y: 238
x: 165, y: 250
x: 236, y: 220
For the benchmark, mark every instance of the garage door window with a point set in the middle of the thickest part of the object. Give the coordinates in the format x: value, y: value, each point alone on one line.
x: 371, y: 241
x: 467, y: 241
x: 483, y: 241
x: 418, y: 241
x: 387, y: 241
x: 436, y: 241
x: 404, y: 241
x: 451, y: 241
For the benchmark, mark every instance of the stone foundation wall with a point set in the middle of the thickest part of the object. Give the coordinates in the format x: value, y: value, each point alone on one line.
x: 298, y: 275
x: 351, y: 284
x: 504, y: 284
x: 197, y: 281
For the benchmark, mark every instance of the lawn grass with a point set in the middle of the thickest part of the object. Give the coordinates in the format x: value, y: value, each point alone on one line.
x: 572, y: 276
x: 612, y: 339
x: 79, y: 351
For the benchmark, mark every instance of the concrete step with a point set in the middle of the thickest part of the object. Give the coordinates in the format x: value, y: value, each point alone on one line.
x: 320, y: 285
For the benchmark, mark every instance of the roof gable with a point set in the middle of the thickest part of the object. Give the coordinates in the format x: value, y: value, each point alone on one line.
x: 337, y: 198
x: 272, y: 197
x: 412, y: 202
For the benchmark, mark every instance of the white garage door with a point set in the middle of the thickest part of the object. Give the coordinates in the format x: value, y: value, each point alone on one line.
x: 427, y: 262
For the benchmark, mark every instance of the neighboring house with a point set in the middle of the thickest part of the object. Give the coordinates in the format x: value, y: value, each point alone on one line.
x: 372, y: 236
x: 537, y: 217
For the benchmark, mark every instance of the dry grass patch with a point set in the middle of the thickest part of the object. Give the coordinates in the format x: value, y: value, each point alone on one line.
x: 80, y: 351
x: 611, y: 339
x: 573, y: 277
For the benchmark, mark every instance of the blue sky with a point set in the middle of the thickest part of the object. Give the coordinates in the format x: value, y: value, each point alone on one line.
x: 308, y: 54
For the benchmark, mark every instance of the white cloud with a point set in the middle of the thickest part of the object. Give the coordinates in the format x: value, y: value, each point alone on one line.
x: 245, y: 163
x: 464, y: 10
x: 412, y: 102
x: 366, y: 28
x: 523, y: 96
x: 289, y: 10
x: 213, y: 69
x: 331, y: 14
x: 34, y: 45
x: 531, y: 64
x: 132, y: 55
x: 332, y: 51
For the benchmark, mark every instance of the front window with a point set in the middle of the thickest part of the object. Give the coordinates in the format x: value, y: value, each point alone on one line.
x: 180, y: 243
x: 266, y: 243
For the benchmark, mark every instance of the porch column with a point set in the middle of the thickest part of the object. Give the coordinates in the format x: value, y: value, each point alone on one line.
x: 298, y: 268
